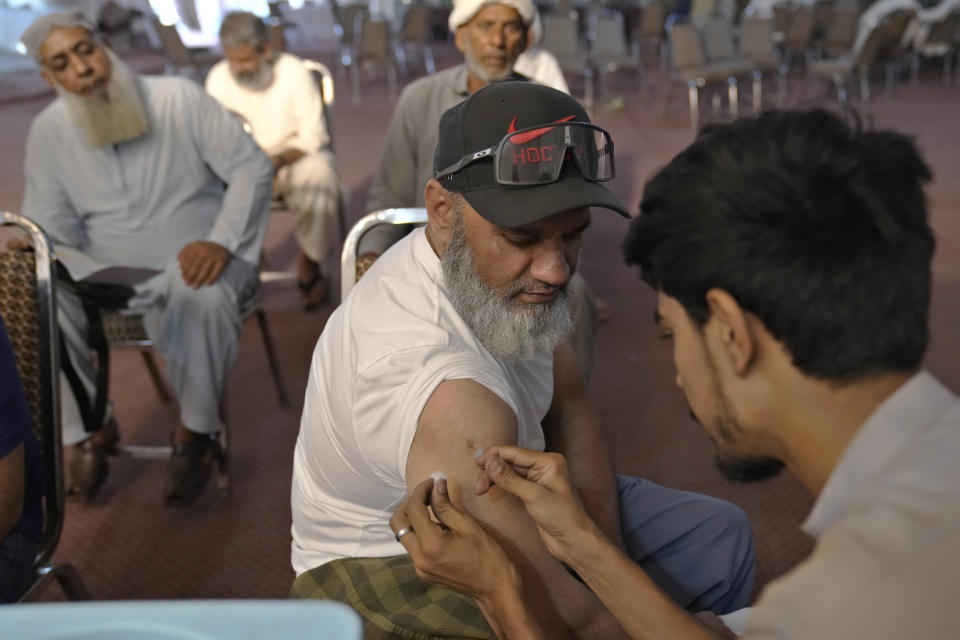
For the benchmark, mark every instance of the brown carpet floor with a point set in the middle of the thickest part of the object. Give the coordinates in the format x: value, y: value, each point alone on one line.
x: 127, y: 545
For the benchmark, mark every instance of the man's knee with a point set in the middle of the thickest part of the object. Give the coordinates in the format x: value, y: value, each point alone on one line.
x: 727, y: 538
x: 697, y: 548
x: 206, y: 302
x: 314, y: 171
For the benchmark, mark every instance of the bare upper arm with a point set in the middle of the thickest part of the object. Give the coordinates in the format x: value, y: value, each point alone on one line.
x: 459, y: 417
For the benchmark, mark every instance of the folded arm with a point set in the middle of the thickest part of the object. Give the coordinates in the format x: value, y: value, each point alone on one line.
x: 245, y: 169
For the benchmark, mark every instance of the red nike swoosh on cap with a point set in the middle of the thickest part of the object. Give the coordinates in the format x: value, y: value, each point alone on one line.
x: 527, y: 136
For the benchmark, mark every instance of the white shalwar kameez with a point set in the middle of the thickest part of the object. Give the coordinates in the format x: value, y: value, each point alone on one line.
x: 137, y: 204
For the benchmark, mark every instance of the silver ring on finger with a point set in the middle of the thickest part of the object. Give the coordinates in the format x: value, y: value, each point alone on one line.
x: 403, y: 532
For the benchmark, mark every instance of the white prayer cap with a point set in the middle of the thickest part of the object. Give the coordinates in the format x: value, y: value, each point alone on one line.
x: 464, y: 10
x: 37, y: 32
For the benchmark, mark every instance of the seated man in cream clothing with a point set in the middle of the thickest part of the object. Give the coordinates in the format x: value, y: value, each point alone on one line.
x: 277, y: 96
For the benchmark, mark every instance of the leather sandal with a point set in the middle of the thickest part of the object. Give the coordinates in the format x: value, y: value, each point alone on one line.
x: 189, y: 469
x: 88, y: 464
x: 314, y: 292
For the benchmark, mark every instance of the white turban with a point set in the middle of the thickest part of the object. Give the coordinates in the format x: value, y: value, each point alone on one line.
x: 464, y: 10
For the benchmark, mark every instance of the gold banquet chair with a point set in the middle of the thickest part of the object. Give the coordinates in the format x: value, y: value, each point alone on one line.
x: 126, y: 331
x: 348, y: 258
x: 29, y: 308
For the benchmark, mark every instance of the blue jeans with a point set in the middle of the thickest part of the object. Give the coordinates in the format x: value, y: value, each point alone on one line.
x: 697, y: 549
x: 16, y: 565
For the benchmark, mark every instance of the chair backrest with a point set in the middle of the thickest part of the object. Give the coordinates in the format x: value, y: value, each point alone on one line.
x: 373, y: 42
x: 324, y: 79
x: 878, y: 39
x: 756, y: 38
x: 348, y: 257
x: 718, y: 39
x: 277, y: 38
x: 701, y: 9
x: 893, y: 27
x: 607, y: 37
x: 560, y: 37
x: 415, y: 26
x: 350, y: 18
x: 800, y: 32
x: 652, y: 19
x: 842, y: 30
x: 563, y: 9
x: 685, y: 49
x: 172, y: 45
x: 28, y: 306
x: 781, y: 18
x: 945, y: 31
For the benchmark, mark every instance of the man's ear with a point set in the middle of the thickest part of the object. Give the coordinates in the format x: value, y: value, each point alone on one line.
x: 737, y: 338
x: 459, y: 35
x: 441, y: 207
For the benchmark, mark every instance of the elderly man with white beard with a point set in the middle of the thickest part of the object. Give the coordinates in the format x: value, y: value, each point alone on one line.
x: 277, y: 96
x: 454, y: 342
x: 147, y: 172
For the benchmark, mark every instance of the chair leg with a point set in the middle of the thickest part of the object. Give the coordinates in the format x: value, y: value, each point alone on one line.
x: 342, y: 218
x: 588, y: 88
x: 272, y: 359
x: 154, y: 372
x: 757, y: 87
x: 781, y: 86
x: 841, y: 90
x: 65, y: 575
x: 223, y: 461
x: 693, y: 94
x: 355, y: 81
x: 733, y: 98
x: 392, y: 80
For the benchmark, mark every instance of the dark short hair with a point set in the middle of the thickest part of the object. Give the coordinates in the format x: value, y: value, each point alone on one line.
x: 818, y: 228
x: 242, y: 27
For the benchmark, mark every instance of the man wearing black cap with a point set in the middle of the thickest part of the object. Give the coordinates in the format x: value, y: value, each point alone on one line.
x: 453, y: 342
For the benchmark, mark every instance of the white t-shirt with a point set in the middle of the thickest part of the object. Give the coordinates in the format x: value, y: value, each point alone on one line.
x: 381, y: 355
x: 289, y: 113
x: 541, y: 66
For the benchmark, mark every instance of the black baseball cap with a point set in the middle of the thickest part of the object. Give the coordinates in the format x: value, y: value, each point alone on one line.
x: 482, y: 121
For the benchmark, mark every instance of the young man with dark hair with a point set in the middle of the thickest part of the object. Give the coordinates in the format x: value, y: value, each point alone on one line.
x: 791, y: 255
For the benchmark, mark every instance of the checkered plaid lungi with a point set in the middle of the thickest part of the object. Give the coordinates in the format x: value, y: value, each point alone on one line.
x: 393, y: 601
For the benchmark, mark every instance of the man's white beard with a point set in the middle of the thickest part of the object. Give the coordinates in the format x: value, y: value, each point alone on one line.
x: 505, y: 332
x: 116, y: 113
x: 259, y: 80
x: 477, y: 69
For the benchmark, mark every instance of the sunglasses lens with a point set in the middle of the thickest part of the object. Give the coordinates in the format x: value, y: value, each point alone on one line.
x: 536, y: 156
